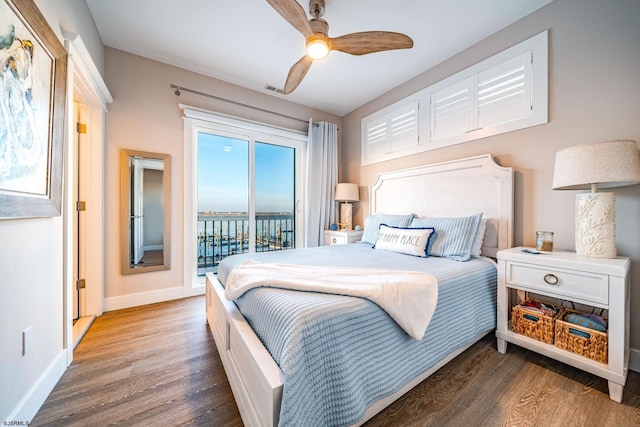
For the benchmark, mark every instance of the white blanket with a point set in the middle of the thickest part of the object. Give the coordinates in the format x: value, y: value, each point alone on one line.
x: 409, y: 297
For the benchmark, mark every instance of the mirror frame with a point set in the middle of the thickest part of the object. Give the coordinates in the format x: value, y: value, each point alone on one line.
x: 125, y: 209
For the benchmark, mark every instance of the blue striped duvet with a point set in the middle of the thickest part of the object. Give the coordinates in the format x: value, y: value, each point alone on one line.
x: 340, y: 354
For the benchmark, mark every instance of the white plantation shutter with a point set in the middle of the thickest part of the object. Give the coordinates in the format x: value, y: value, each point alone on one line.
x: 392, y: 129
x: 376, y: 137
x: 451, y: 110
x: 403, y: 126
x: 504, y: 92
x: 484, y: 101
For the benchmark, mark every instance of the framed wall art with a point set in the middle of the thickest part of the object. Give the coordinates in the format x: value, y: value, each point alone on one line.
x: 33, y: 74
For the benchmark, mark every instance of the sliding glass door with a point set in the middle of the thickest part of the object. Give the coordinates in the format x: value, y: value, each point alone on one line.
x: 247, y: 190
x: 275, y: 197
x: 223, y: 199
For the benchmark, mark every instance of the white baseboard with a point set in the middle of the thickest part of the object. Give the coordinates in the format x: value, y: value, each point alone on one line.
x: 35, y: 397
x: 634, y: 360
x: 151, y: 297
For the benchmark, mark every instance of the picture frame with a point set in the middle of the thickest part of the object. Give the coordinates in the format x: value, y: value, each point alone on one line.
x: 33, y: 96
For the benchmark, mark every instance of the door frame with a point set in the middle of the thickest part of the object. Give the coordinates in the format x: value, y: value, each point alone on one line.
x: 136, y: 170
x: 86, y: 86
x: 196, y: 120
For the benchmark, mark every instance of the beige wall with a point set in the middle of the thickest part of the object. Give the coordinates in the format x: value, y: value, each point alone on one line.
x: 594, y: 94
x: 145, y: 116
x: 31, y: 273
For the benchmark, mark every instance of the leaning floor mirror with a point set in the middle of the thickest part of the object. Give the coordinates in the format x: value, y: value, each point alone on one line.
x: 144, y: 211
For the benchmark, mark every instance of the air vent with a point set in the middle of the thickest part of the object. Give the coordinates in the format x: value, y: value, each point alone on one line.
x: 273, y: 89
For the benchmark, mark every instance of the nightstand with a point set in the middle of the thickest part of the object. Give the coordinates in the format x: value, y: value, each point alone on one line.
x: 341, y: 237
x: 565, y: 277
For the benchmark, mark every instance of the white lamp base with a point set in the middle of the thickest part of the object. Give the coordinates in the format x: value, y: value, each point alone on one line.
x: 346, y: 216
x: 595, y: 225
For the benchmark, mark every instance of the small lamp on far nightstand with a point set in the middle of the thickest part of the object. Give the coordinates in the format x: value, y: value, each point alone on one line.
x: 347, y: 193
x: 589, y: 166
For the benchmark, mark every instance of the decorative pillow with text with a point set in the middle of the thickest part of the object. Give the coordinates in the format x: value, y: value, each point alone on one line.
x: 410, y: 241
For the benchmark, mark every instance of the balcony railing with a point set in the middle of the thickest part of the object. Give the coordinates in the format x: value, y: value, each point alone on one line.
x: 221, y: 235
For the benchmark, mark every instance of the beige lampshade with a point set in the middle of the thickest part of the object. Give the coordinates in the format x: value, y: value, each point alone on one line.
x: 346, y: 192
x: 589, y: 166
x: 608, y: 164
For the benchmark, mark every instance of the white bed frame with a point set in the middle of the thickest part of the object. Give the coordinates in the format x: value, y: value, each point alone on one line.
x: 455, y: 188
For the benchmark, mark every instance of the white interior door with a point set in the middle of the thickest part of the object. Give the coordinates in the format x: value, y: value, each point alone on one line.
x: 80, y: 183
x: 137, y: 216
x: 76, y: 217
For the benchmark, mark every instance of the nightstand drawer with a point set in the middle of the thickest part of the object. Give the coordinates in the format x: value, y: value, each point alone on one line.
x: 341, y: 237
x: 573, y: 285
x: 335, y: 240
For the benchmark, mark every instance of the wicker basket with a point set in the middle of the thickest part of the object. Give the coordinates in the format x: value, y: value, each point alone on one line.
x: 533, y: 325
x: 595, y: 345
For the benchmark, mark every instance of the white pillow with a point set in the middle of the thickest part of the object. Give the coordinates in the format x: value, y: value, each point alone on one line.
x: 410, y: 241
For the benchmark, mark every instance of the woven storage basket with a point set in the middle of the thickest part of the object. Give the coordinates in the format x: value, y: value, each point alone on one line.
x: 595, y: 345
x: 533, y: 325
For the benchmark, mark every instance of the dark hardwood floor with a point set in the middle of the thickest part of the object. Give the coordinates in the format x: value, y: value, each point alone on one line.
x: 158, y: 365
x: 150, y: 365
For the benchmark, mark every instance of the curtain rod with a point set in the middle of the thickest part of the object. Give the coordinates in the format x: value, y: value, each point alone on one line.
x: 208, y: 95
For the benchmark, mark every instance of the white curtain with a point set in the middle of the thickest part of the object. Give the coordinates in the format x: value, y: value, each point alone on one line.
x: 322, y: 177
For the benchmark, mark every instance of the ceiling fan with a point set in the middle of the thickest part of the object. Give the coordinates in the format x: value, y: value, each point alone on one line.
x: 319, y: 44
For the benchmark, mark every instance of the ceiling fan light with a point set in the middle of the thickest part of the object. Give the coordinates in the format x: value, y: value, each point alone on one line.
x: 317, y: 48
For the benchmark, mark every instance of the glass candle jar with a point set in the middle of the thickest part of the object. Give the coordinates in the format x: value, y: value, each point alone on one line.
x: 544, y: 241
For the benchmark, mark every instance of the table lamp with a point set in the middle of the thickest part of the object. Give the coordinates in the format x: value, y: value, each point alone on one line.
x: 346, y: 193
x: 605, y: 164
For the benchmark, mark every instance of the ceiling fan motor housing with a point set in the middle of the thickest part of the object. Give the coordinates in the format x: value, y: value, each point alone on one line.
x: 319, y: 25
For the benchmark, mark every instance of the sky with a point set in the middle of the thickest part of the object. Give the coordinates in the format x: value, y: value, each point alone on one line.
x: 223, y: 178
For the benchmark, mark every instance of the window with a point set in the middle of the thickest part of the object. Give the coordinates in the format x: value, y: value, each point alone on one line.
x: 451, y: 109
x: 246, y: 189
x: 495, y: 96
x: 504, y: 92
x: 500, y: 94
x: 395, y: 129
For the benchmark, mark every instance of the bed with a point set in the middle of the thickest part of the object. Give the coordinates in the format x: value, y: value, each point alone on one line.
x: 326, y: 359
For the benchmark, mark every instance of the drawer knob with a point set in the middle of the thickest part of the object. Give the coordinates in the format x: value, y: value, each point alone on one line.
x: 334, y: 240
x: 551, y: 279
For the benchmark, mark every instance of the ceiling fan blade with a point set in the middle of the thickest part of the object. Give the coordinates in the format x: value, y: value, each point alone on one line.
x: 370, y: 41
x: 297, y: 73
x: 294, y: 14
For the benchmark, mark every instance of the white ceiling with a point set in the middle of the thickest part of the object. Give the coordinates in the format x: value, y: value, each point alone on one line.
x: 247, y: 43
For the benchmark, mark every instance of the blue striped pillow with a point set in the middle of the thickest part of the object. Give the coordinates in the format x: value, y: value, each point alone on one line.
x: 372, y: 225
x: 454, y: 236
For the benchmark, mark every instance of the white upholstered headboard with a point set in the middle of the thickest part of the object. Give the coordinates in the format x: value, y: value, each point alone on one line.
x: 450, y: 189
